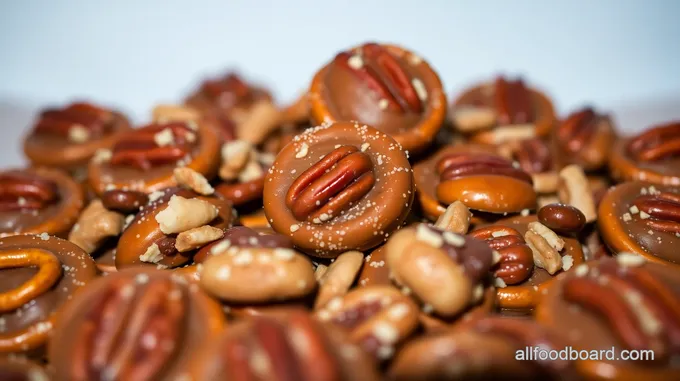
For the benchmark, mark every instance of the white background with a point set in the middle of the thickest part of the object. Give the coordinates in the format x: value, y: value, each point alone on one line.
x: 622, y: 56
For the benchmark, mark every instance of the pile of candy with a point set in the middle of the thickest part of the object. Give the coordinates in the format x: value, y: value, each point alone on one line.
x: 374, y: 229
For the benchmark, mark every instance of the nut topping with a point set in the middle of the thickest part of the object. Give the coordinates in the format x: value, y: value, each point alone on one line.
x: 533, y: 156
x: 78, y: 122
x: 24, y: 191
x: 94, y: 225
x: 183, y: 214
x: 545, y: 245
x: 456, y: 219
x: 577, y: 130
x: 336, y: 279
x: 642, y: 312
x: 659, y: 211
x: 131, y: 333
x: 656, y: 143
x: 516, y: 262
x: 454, y: 166
x: 513, y: 102
x: 575, y: 191
x: 378, y: 317
x: 153, y: 145
x: 381, y: 72
x: 331, y: 185
x: 562, y: 218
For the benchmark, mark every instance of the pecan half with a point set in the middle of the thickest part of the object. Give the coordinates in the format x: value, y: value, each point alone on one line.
x: 229, y: 91
x: 375, y: 66
x: 267, y: 349
x: 93, y: 120
x: 153, y: 145
x: 656, y: 143
x: 377, y: 317
x: 577, y: 130
x: 641, y: 311
x: 533, y: 156
x: 516, y: 261
x: 513, y: 102
x: 660, y: 211
x: 454, y: 166
x: 331, y: 185
x: 131, y: 332
x: 25, y: 191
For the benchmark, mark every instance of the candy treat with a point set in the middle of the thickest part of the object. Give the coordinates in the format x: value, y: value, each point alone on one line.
x: 38, y: 200
x: 39, y: 274
x: 70, y: 136
x: 338, y: 187
x: 651, y: 156
x: 503, y: 110
x: 369, y: 229
x: 384, y: 86
x: 642, y: 218
x: 624, y: 303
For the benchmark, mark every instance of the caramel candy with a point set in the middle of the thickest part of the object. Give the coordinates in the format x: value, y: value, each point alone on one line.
x: 38, y: 200
x: 622, y: 303
x: 144, y: 159
x: 652, y: 156
x: 338, y: 187
x: 585, y: 138
x: 642, y: 218
x: 502, y: 342
x: 136, y: 324
x: 288, y: 345
x: 70, y: 136
x: 385, y: 86
x: 501, y: 111
x: 38, y: 275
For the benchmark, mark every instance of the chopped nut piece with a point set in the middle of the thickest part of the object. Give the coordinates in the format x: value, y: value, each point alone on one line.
x: 428, y: 236
x: 338, y: 277
x: 193, y: 180
x: 262, y: 118
x: 95, y: 224
x: 473, y: 118
x: 630, y: 260
x: 514, y: 132
x: 575, y: 191
x: 164, y: 138
x: 252, y: 171
x: 545, y: 256
x: 455, y: 219
x: 183, y: 214
x: 78, y: 134
x: 550, y: 236
x: 194, y: 238
x: 152, y: 254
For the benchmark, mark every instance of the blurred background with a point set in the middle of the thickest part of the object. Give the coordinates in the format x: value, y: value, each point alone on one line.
x: 622, y: 56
